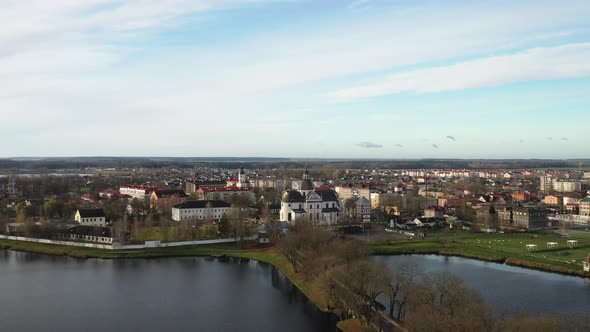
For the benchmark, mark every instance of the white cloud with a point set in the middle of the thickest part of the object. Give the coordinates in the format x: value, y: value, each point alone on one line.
x: 370, y: 145
x: 566, y: 61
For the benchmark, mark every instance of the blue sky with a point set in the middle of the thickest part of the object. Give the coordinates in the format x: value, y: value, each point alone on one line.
x: 295, y: 78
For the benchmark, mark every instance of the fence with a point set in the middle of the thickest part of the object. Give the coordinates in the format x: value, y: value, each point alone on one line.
x: 147, y: 244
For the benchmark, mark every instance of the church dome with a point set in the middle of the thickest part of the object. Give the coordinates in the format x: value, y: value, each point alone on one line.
x: 306, y: 185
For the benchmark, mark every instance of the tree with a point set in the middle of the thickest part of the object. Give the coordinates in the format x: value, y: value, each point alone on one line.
x: 443, y: 303
x: 224, y: 226
x: 290, y: 247
x: 354, y: 289
x: 53, y: 207
x: 21, y: 212
x: 401, y: 280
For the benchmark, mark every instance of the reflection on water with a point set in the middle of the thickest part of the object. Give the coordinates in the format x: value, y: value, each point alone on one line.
x: 507, y: 287
x: 51, y: 293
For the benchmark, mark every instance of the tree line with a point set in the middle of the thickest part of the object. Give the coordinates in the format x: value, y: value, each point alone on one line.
x: 353, y: 285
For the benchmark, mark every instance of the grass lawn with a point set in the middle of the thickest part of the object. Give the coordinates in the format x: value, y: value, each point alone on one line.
x: 509, y: 248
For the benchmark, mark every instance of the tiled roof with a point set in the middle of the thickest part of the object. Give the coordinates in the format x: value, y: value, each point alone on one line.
x: 92, y: 213
x: 202, y: 204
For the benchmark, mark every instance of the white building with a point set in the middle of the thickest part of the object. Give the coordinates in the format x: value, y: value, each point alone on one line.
x: 200, y: 210
x: 585, y: 207
x: 139, y: 192
x: 91, y: 217
x: 567, y: 186
x: 320, y: 206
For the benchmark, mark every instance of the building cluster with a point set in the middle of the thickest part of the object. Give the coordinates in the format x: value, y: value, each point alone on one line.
x: 414, y: 198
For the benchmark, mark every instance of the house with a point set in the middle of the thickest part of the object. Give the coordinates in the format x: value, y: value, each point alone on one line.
x: 200, y: 210
x: 434, y: 212
x: 91, y: 217
x: 587, y: 264
x: 425, y: 222
x: 521, y: 196
x: 166, y: 198
x: 362, y: 208
x: 553, y: 200
x: 97, y: 234
x: 409, y: 225
x: 267, y: 231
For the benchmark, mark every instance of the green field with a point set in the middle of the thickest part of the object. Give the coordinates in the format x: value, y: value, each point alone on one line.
x: 509, y: 248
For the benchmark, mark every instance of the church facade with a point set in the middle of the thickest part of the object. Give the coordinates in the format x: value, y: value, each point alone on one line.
x: 319, y: 206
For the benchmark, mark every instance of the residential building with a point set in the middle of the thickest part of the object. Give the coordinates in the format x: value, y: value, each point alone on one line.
x: 91, y: 217
x: 567, y: 186
x: 349, y: 191
x: 529, y: 217
x: 363, y: 210
x: 572, y: 208
x: 381, y: 199
x: 97, y: 234
x: 192, y: 186
x: 200, y: 210
x: 553, y: 200
x: 585, y: 207
x: 546, y: 183
x: 521, y: 196
x: 434, y: 212
x: 137, y: 191
x: 166, y: 198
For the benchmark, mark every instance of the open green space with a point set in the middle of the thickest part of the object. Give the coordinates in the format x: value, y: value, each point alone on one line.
x: 508, y: 248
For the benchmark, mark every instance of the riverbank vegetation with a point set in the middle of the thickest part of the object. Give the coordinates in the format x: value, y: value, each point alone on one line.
x: 370, y: 297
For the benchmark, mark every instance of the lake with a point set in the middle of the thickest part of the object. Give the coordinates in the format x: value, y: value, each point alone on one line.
x: 51, y: 293
x: 507, y: 287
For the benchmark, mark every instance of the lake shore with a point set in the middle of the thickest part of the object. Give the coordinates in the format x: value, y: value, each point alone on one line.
x: 540, y: 261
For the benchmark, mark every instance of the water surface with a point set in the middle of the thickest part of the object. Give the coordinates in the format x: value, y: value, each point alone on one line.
x: 48, y: 293
x: 507, y: 287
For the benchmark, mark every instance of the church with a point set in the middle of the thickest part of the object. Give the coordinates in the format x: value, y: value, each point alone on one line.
x: 319, y: 206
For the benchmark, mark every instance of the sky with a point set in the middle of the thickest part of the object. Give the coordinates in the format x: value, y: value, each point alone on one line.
x: 295, y: 78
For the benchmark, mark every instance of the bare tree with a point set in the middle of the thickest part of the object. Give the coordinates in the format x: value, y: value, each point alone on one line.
x: 402, y: 278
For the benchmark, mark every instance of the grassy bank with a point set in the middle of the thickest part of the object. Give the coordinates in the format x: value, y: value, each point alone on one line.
x: 509, y: 249
x: 81, y: 252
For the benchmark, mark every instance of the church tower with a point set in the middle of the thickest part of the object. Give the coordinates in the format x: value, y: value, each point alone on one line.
x: 242, y: 178
x: 306, y: 185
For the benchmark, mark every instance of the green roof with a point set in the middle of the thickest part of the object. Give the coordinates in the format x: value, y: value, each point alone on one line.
x: 587, y: 199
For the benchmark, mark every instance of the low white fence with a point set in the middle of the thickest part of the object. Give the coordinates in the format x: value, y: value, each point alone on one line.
x: 147, y: 244
x: 61, y: 243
